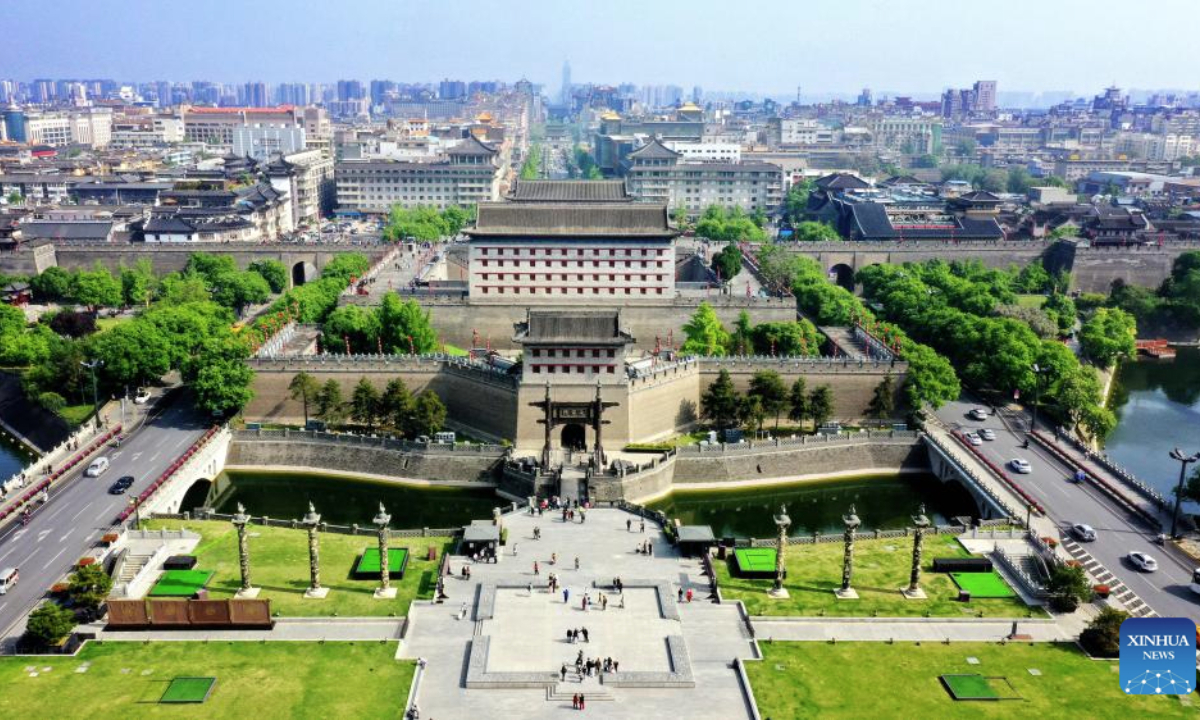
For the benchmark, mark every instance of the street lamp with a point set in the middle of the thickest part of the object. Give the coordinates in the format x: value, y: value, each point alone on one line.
x: 1184, y: 460
x: 95, y: 395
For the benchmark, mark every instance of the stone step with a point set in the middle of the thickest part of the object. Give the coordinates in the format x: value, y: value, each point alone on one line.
x: 592, y: 691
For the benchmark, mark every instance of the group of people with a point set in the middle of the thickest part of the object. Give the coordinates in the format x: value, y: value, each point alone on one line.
x: 629, y: 525
x: 573, y: 635
x: 487, y: 554
x: 646, y: 548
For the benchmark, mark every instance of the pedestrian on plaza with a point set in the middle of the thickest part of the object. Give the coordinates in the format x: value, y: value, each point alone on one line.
x: 680, y: 593
x: 553, y: 558
x: 536, y: 570
x: 566, y: 595
x: 585, y: 635
x: 650, y: 549
x: 576, y: 562
x: 562, y: 675
x: 689, y: 595
x: 628, y: 524
x: 575, y: 701
x: 570, y: 636
x: 514, y: 549
x: 529, y: 587
x: 643, y: 524
x: 603, y: 602
x: 582, y: 702
x: 622, y: 606
x: 616, y: 666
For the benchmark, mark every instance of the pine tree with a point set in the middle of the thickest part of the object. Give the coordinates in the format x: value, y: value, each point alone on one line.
x: 719, y: 403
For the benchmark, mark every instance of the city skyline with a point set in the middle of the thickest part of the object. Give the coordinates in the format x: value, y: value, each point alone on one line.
x: 1025, y: 52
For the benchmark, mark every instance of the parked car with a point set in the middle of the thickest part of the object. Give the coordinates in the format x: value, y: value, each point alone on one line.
x: 1021, y: 465
x: 1083, y: 532
x: 987, y: 434
x: 97, y: 468
x: 142, y: 397
x: 974, y: 439
x: 121, y: 485
x: 978, y: 414
x: 1142, y: 561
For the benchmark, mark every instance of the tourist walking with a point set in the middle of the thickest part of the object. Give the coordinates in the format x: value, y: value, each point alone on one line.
x: 570, y: 636
x: 680, y: 593
x: 689, y: 595
x: 529, y: 587
x: 553, y: 558
x: 582, y: 702
x: 576, y: 562
x: 536, y: 569
x: 566, y: 595
x: 562, y: 675
x: 514, y: 549
x: 575, y: 701
x: 585, y: 635
x: 643, y: 524
x: 628, y: 524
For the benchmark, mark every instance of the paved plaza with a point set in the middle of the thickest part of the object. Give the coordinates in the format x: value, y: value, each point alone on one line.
x: 504, y: 657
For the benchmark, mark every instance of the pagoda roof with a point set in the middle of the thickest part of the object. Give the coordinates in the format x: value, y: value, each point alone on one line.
x: 654, y: 150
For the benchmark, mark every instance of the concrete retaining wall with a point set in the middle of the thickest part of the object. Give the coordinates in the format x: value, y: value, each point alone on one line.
x: 813, y: 459
x: 348, y: 457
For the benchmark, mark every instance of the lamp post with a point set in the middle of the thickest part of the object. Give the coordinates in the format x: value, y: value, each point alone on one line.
x: 1184, y: 460
x: 852, y: 522
x: 783, y: 522
x: 239, y: 520
x: 920, y: 524
x: 385, y: 590
x: 95, y: 395
x: 312, y: 521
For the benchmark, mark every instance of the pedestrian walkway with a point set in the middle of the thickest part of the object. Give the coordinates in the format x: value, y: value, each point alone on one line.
x: 294, y: 629
x: 907, y: 630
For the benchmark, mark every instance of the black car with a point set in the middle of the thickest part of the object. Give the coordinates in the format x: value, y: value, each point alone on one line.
x: 121, y: 485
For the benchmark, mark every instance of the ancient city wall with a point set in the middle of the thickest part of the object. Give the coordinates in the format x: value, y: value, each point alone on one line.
x: 365, y: 456
x: 816, y: 457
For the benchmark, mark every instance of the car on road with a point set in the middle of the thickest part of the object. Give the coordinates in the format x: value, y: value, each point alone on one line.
x: 97, y: 468
x: 1020, y: 465
x: 987, y: 434
x: 1142, y: 561
x: 8, y: 578
x: 974, y: 439
x: 977, y: 414
x: 1083, y: 532
x: 121, y: 485
x: 142, y: 397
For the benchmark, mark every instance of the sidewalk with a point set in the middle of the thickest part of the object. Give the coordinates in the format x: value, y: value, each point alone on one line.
x: 907, y: 630
x: 293, y: 629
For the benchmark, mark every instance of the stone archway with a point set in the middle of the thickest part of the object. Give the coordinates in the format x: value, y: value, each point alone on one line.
x: 574, y: 437
x: 303, y: 272
x: 196, y: 495
x: 843, y: 275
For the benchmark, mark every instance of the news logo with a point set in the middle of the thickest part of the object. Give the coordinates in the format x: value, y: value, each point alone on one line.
x: 1158, y: 656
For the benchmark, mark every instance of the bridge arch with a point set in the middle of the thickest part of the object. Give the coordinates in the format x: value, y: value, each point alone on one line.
x: 303, y: 271
x: 197, y: 495
x: 843, y: 275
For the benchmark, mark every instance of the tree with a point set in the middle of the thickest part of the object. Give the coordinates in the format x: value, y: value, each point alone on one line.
x: 719, y: 402
x: 787, y: 339
x: 1102, y: 636
x: 49, y: 625
x: 69, y: 323
x: 304, y: 387
x: 429, y: 414
x: 820, y: 405
x: 133, y: 353
x: 751, y: 413
x: 679, y: 216
x: 238, y: 289
x: 772, y: 394
x: 137, y: 283
x: 706, y: 335
x: 741, y: 343
x: 364, y: 404
x: 329, y: 402
x: 816, y: 232
x: 222, y: 387
x: 404, y: 327
x: 273, y: 272
x: 396, y: 404
x: 728, y: 262
x: 52, y: 401
x: 96, y: 288
x: 1108, y: 335
x: 53, y: 283
x: 798, y: 402
x: 1068, y: 587
x: 883, y: 401
x: 89, y: 586
x: 352, y: 325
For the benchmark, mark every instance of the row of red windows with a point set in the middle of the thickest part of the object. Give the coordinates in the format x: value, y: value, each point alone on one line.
x: 563, y: 252
x: 579, y: 352
x: 578, y: 276
x: 579, y: 369
x: 576, y: 264
x: 534, y: 290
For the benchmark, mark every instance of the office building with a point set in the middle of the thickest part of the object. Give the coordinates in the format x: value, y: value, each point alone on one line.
x: 467, y: 174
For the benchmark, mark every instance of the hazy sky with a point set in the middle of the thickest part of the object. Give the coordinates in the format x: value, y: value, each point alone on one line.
x: 753, y: 45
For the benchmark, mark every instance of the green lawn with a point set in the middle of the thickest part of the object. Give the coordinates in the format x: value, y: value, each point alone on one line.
x: 881, y: 568
x: 279, y: 566
x: 266, y: 680
x: 76, y: 414
x: 109, y: 323
x: 455, y: 351
x: 865, y: 680
x: 1031, y: 301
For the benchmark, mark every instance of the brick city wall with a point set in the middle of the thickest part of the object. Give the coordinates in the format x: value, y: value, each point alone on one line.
x: 814, y: 458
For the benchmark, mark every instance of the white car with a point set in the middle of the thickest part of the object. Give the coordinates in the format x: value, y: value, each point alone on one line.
x: 987, y: 434
x: 977, y: 414
x: 97, y: 468
x: 1143, y: 562
x: 974, y: 439
x: 1083, y: 532
x: 1021, y: 465
x: 142, y: 397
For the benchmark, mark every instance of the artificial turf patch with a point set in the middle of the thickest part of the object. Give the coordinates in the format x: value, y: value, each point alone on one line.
x: 982, y: 584
x: 188, y: 690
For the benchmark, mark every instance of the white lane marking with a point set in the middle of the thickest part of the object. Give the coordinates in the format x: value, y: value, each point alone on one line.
x: 64, y: 537
x: 60, y: 552
x: 42, y: 534
x: 82, y: 510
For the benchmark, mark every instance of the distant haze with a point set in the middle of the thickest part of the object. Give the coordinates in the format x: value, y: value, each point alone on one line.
x: 917, y: 47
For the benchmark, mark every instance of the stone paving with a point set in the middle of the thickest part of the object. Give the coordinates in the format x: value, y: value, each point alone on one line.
x: 675, y: 658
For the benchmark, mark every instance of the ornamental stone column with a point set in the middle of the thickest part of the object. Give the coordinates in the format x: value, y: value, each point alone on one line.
x: 239, y: 520
x: 312, y: 521
x: 852, y: 522
x: 920, y: 525
x: 783, y: 522
x: 385, y: 589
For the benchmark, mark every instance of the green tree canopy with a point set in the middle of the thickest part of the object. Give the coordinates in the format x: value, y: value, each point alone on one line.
x: 89, y: 585
x: 306, y: 389
x: 772, y: 394
x: 1109, y: 335
x: 820, y: 405
x: 719, y: 401
x: 273, y: 272
x: 706, y: 335
x: 428, y: 414
x: 49, y: 625
x: 728, y: 262
x: 364, y: 404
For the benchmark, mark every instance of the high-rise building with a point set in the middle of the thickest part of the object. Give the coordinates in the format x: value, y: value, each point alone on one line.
x: 254, y: 94
x: 984, y: 92
x: 565, y: 95
x: 864, y: 97
x: 380, y: 89
x: 452, y: 89
x: 350, y: 90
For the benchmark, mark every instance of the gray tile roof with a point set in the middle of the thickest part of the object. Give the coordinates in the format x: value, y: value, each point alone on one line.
x: 600, y: 219
x: 73, y: 230
x: 472, y: 146
x: 590, y: 326
x: 570, y: 191
x: 654, y: 150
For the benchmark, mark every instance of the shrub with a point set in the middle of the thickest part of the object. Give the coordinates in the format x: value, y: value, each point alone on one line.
x: 49, y: 625
x: 1102, y: 636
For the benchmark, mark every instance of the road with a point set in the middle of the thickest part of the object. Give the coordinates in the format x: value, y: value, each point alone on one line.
x: 1067, y: 503
x: 80, y: 510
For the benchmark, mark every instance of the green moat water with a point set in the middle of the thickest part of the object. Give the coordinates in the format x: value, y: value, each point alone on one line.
x: 882, y: 502
x: 346, y: 501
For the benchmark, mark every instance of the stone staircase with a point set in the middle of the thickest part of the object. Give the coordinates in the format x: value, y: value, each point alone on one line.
x: 132, y: 566
x: 591, y: 688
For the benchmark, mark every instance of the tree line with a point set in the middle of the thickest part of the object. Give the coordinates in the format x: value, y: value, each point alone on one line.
x: 426, y: 223
x: 393, y: 327
x: 395, y: 409
x: 706, y: 336
x: 768, y: 396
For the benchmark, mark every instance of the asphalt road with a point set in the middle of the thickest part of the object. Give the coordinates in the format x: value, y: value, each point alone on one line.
x: 80, y: 510
x: 1067, y: 503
